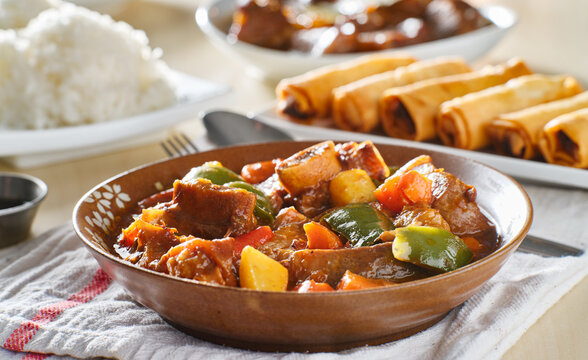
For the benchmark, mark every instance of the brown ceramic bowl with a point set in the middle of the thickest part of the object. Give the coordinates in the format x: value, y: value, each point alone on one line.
x: 288, y: 320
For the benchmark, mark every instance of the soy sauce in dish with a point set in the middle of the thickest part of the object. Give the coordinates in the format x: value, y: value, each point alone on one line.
x: 10, y: 203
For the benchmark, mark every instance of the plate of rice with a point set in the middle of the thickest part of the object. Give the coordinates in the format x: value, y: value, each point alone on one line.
x: 74, y: 79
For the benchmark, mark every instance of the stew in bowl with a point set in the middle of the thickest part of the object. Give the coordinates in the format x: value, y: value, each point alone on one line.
x: 321, y: 238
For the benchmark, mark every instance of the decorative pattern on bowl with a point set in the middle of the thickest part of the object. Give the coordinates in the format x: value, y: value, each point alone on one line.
x: 103, y: 219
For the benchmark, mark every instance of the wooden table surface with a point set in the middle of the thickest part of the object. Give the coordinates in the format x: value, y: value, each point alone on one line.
x: 550, y: 36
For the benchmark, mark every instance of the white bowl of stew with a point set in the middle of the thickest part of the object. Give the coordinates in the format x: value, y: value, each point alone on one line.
x: 215, y: 17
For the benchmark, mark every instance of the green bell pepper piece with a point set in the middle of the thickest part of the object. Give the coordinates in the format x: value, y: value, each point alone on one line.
x: 263, y: 207
x: 217, y: 174
x: 430, y: 247
x: 360, y: 224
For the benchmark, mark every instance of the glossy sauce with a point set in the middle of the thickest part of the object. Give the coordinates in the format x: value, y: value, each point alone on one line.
x: 10, y: 203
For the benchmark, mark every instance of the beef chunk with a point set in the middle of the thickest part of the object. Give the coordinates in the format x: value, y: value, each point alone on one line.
x: 421, y: 215
x: 147, y: 243
x: 306, y: 176
x: 375, y: 262
x: 389, y: 16
x: 210, y: 261
x: 288, y: 233
x: 313, y: 201
x: 263, y: 25
x: 309, y: 167
x: 273, y: 190
x: 363, y: 156
x: 454, y: 199
x: 453, y: 17
x: 209, y: 211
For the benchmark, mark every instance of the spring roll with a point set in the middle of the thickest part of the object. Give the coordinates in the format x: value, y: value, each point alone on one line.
x: 308, y: 95
x: 517, y: 133
x: 564, y: 140
x: 355, y: 105
x: 408, y: 112
x: 462, y: 122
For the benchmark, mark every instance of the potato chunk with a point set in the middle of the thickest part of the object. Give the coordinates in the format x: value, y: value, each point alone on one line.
x: 350, y: 187
x: 309, y: 167
x: 260, y: 272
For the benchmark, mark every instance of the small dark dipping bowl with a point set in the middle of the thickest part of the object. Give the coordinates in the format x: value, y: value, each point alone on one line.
x: 20, y: 196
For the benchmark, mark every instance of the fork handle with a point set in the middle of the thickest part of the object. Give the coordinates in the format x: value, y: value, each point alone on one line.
x: 539, y: 246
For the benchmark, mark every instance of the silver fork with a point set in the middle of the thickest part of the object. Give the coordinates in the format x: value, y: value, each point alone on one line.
x: 179, y: 144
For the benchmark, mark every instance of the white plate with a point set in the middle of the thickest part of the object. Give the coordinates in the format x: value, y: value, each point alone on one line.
x: 27, y: 148
x: 214, y: 18
x: 522, y: 169
x: 111, y: 7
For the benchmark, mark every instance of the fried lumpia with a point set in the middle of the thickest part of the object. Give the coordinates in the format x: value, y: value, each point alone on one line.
x: 462, y: 122
x: 355, y: 105
x: 408, y: 112
x: 517, y: 133
x: 564, y: 140
x: 308, y: 95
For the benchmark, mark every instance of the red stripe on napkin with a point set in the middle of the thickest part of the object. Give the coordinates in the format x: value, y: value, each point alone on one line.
x: 21, y: 336
x: 35, y: 356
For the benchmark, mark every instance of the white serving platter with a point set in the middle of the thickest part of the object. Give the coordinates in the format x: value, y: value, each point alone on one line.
x: 528, y: 170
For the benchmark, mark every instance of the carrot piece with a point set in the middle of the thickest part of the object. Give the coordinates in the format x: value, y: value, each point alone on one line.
x: 416, y: 188
x: 408, y: 188
x: 312, y: 286
x: 475, y: 246
x: 389, y: 195
x: 130, y: 234
x: 351, y: 281
x: 320, y: 237
x: 472, y: 243
x: 253, y: 238
x: 257, y: 172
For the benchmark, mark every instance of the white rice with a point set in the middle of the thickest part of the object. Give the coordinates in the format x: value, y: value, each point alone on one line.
x: 72, y: 66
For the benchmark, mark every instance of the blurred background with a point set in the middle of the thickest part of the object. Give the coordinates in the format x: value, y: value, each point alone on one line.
x: 549, y: 36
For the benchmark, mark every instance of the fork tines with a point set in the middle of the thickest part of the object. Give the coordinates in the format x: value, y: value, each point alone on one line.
x: 178, y: 144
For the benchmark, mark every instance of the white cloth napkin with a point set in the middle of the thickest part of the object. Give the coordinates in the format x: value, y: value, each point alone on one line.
x: 54, y: 299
